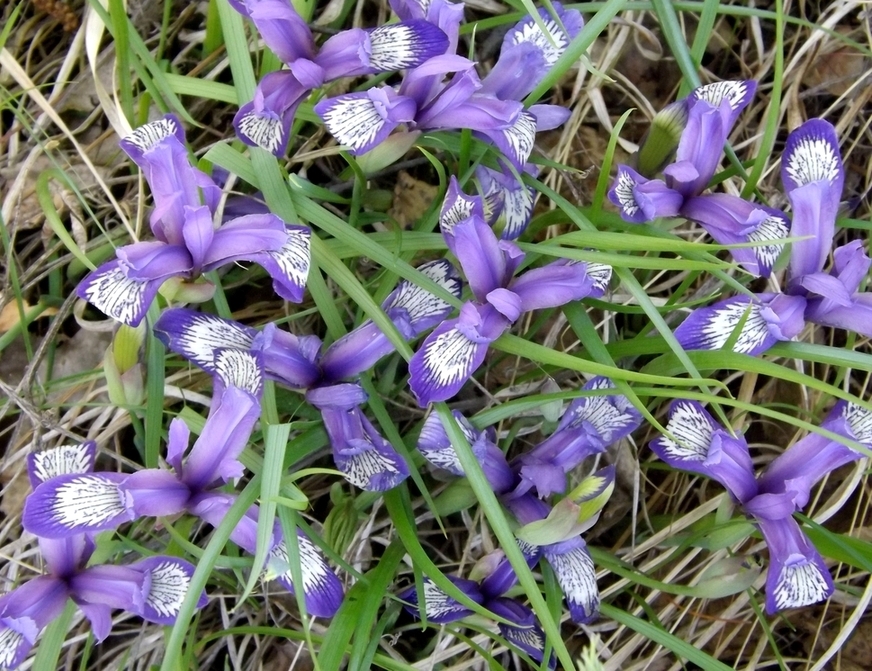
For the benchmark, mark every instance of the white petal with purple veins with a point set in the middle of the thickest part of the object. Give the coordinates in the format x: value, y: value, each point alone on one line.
x: 448, y: 358
x: 241, y: 369
x: 577, y: 577
x: 62, y: 460
x: 772, y: 228
x: 860, y: 421
x: 169, y: 585
x: 692, y: 429
x: 801, y: 584
x: 354, y: 122
x: 206, y: 333
x: 147, y: 136
x: 716, y: 330
x: 266, y: 131
x: 420, y: 303
x: 401, y: 46
x: 520, y: 138
x: 715, y: 93
x: 116, y: 295
x: 366, y: 467
x: 813, y: 159
x: 551, y: 48
x: 294, y: 256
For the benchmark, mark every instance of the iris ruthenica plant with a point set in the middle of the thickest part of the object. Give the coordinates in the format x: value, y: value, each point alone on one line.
x: 813, y: 177
x: 457, y: 347
x: 797, y: 573
x: 188, y: 239
x: 151, y: 588
x: 365, y: 458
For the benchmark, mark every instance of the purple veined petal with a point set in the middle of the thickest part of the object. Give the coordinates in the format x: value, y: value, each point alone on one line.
x: 516, y: 199
x: 243, y: 238
x: 284, y: 31
x: 700, y: 147
x: 177, y: 443
x: 516, y: 72
x: 197, y: 336
x: 399, y: 46
x: 503, y: 577
x: 240, y: 369
x: 61, y: 460
x: 360, y: 121
x: 423, y: 308
x: 612, y: 417
x: 80, y: 503
x: 549, y: 117
x: 121, y: 587
x: 198, y: 232
x: 154, y: 492
x: 288, y: 266
x: 266, y: 120
x: 482, y: 257
x: 154, y: 260
x: 290, y: 360
x: 168, y: 581
x: 322, y: 588
x: 552, y: 285
x: 448, y: 356
x: 640, y: 199
x: 365, y: 458
x: 797, y: 573
x: 576, y: 575
x: 731, y: 220
x: 110, y: 290
x: 737, y: 93
x: 809, y: 460
x: 457, y: 207
x: 813, y: 176
x: 515, y: 141
x: 770, y: 318
x: 525, y: 632
x: 214, y: 455
x: 24, y: 612
x: 702, y: 446
x: 213, y: 506
x: 528, y: 31
x: 438, y: 606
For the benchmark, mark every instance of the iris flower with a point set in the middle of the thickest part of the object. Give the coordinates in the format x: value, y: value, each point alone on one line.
x: 191, y: 482
x: 797, y: 573
x: 813, y: 177
x: 266, y: 120
x: 152, y: 588
x: 365, y: 458
x: 587, y: 427
x: 188, y: 242
x: 457, y: 347
x: 490, y: 106
x: 708, y: 115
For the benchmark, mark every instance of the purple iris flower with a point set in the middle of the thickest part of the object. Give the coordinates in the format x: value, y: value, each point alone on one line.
x: 520, y: 629
x: 457, y: 347
x: 366, y: 459
x: 709, y: 113
x: 813, y: 176
x: 587, y: 427
x: 266, y: 120
x: 492, y: 107
x: 68, y: 505
x: 152, y: 588
x: 188, y: 242
x: 797, y: 573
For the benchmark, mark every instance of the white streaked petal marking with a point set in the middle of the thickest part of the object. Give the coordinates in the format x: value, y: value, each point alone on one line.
x: 577, y: 577
x: 239, y: 368
x: 147, y: 136
x: 717, y: 330
x: 420, y: 303
x: 813, y: 159
x: 266, y: 131
x: 860, y: 421
x: 87, y: 501
x: 448, y: 357
x: 521, y: 136
x: 552, y: 48
x: 315, y: 571
x: 715, y: 93
x: 360, y: 469
x: 692, y: 430
x: 800, y: 584
x: 204, y: 334
x: 116, y: 295
x: 62, y: 460
x: 354, y: 122
x: 294, y: 256
x: 773, y: 227
x: 624, y: 186
x: 395, y: 47
x: 169, y: 585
